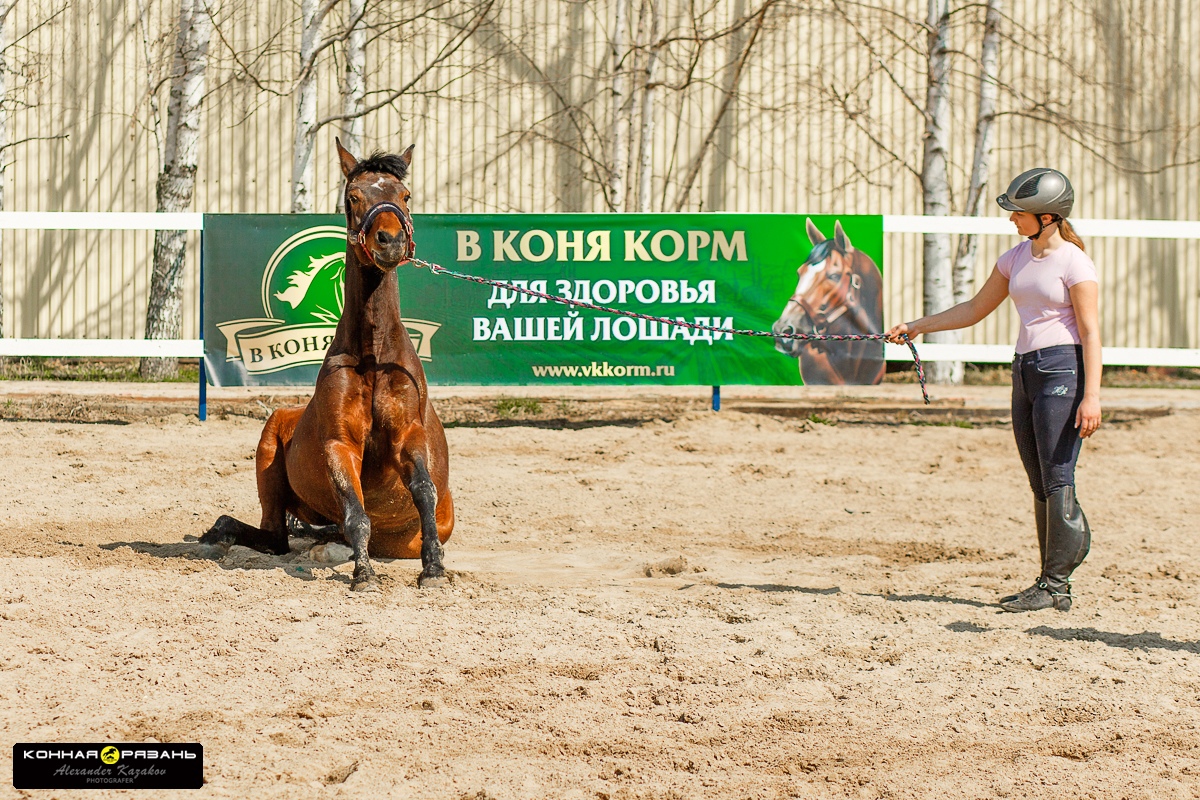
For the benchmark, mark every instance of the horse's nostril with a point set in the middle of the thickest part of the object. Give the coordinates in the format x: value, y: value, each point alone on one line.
x: 384, y: 238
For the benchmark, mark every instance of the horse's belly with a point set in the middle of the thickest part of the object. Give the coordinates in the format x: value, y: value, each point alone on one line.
x: 396, y: 533
x: 395, y: 523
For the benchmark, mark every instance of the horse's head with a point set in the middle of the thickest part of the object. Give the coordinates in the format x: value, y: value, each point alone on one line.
x: 378, y: 222
x: 837, y: 292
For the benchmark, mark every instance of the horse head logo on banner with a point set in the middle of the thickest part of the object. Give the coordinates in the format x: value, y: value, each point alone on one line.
x: 302, y: 299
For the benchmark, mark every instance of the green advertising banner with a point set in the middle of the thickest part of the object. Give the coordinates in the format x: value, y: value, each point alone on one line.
x: 273, y: 295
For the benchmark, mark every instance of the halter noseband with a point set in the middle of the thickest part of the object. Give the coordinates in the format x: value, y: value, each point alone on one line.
x: 359, y: 236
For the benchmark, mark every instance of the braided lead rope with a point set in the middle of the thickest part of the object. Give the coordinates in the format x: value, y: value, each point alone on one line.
x: 437, y: 269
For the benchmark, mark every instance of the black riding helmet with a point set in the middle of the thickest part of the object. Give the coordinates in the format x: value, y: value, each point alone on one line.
x: 1039, y: 191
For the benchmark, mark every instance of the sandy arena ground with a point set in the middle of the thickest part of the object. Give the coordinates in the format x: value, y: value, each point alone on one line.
x: 669, y: 604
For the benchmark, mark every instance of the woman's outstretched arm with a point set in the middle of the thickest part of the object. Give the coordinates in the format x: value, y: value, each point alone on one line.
x: 962, y: 315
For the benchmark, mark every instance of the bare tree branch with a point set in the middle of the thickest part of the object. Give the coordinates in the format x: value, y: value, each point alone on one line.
x: 450, y: 48
x: 698, y: 160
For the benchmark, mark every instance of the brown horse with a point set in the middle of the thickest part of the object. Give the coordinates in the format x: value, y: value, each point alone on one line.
x: 840, y: 291
x: 368, y: 453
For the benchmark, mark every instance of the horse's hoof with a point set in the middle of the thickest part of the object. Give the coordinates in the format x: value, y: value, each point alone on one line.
x: 365, y: 582
x: 433, y: 581
x: 219, y: 533
x: 213, y: 552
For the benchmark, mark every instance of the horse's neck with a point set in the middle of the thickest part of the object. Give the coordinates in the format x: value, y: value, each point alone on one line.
x: 871, y: 287
x: 370, y: 323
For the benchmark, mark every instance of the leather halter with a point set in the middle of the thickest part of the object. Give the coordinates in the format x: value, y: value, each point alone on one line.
x: 359, y: 236
x: 842, y: 299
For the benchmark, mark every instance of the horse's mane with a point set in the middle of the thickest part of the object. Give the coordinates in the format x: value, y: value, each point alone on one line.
x: 821, y: 250
x: 387, y: 163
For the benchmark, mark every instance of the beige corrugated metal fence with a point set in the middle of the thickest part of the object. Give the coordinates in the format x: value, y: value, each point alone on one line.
x: 519, y: 119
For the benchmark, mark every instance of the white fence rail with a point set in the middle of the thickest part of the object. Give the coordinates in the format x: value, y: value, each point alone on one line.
x: 103, y: 348
x: 1003, y: 353
x: 100, y: 221
x: 892, y: 223
x: 1101, y: 228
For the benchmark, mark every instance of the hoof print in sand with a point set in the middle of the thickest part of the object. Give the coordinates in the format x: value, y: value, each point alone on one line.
x: 671, y: 566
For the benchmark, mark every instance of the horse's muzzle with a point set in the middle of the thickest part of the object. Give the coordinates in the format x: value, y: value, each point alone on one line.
x: 789, y: 347
x: 389, y: 252
x: 384, y: 249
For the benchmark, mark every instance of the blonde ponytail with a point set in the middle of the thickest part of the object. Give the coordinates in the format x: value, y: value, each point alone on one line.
x: 1068, y: 233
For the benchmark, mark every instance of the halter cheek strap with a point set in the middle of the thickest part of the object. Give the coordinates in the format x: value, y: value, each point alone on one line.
x: 359, y: 236
x: 842, y: 298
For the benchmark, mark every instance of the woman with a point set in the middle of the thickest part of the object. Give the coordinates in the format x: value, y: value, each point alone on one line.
x: 1056, y: 372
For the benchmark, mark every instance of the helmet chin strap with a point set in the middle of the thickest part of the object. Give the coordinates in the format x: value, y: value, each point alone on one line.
x: 1043, y: 225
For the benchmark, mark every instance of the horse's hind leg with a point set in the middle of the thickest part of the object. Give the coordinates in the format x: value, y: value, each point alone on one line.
x: 227, y: 531
x: 322, y: 533
x: 273, y: 494
x: 425, y: 497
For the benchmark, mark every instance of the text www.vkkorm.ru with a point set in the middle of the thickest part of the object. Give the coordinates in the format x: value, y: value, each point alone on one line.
x: 602, y: 369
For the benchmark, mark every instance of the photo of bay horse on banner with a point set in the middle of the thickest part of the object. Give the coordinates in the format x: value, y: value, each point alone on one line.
x: 840, y: 291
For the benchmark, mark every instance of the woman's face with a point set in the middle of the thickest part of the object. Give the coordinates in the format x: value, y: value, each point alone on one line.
x: 1027, y: 224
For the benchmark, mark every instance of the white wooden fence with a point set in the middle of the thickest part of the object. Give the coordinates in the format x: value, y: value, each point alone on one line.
x: 976, y: 353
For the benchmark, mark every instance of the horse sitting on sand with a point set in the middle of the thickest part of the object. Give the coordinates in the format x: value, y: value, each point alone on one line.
x: 367, y: 454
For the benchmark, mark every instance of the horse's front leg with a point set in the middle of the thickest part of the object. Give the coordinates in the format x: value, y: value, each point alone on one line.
x: 345, y: 466
x: 425, y: 498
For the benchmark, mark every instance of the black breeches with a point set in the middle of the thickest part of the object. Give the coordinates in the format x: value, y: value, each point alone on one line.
x: 1047, y: 387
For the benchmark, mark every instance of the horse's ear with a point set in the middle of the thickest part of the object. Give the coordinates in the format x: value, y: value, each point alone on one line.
x: 814, y: 233
x: 840, y: 238
x: 406, y: 156
x: 349, y: 162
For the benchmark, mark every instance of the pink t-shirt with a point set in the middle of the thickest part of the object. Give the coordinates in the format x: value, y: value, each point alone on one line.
x: 1039, y: 289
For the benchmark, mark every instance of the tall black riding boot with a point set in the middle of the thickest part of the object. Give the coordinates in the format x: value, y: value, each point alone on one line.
x: 1068, y: 540
x: 1039, y: 516
x: 1039, y: 513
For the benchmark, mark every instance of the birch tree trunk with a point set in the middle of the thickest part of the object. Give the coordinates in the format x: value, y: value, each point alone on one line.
x: 621, y: 109
x: 6, y: 7
x: 354, y: 83
x: 935, y: 184
x: 177, y: 181
x: 989, y: 91
x: 304, y: 137
x: 649, y: 91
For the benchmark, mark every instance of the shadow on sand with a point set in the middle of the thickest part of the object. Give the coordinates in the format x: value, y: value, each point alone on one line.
x: 779, y: 587
x: 930, y: 598
x: 555, y: 424
x: 1127, y: 641
x: 295, y: 564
